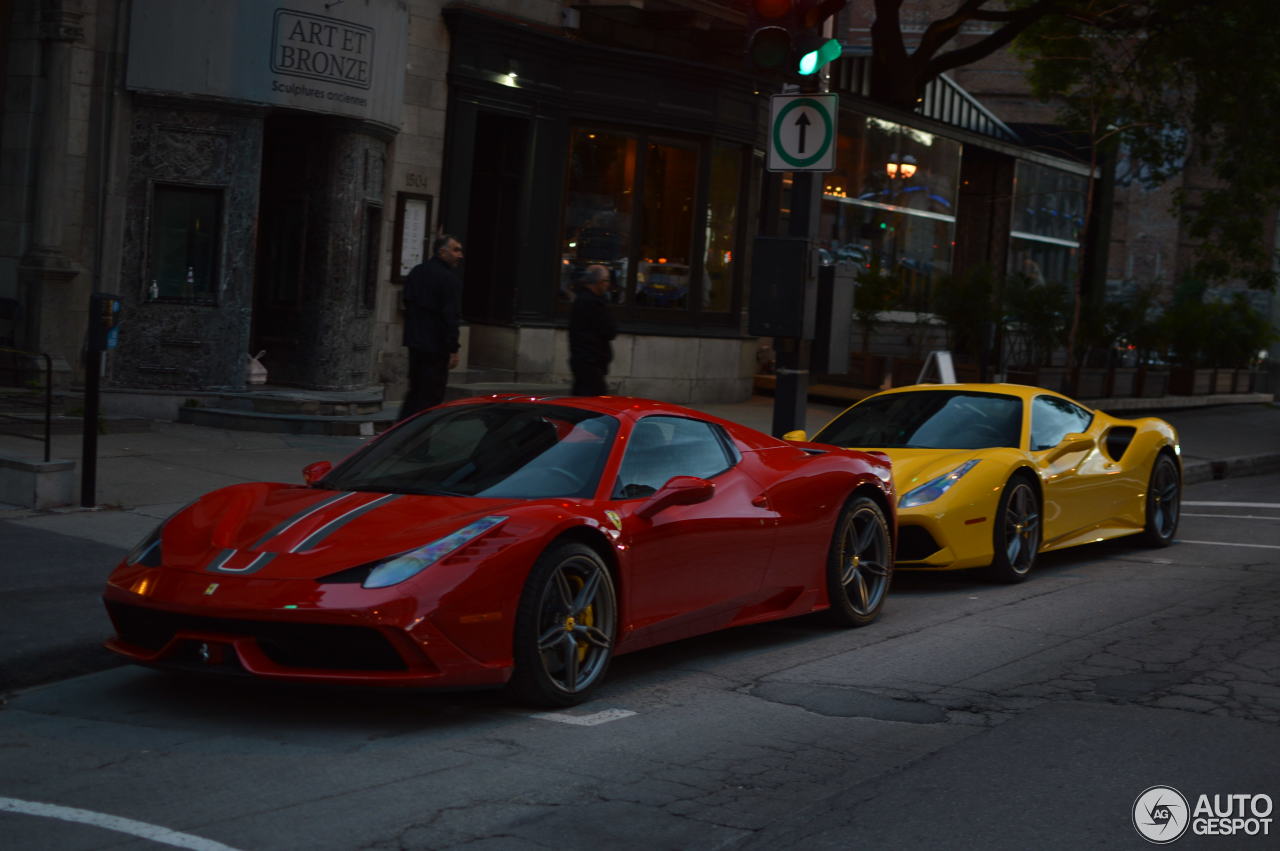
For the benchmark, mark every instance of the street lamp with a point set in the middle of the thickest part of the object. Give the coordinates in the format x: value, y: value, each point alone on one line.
x: 900, y: 166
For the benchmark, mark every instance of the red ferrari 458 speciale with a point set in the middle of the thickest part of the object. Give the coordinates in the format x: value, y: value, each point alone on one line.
x: 509, y: 540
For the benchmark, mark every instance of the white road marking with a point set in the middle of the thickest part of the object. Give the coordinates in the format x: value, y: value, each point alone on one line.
x: 1204, y: 504
x: 602, y: 717
x: 1227, y: 544
x: 155, y: 833
x: 1232, y: 516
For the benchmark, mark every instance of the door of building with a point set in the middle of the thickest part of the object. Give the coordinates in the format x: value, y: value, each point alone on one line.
x: 493, y: 222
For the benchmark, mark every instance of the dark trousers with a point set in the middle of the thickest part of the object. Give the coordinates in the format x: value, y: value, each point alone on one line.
x: 588, y: 378
x: 428, y: 375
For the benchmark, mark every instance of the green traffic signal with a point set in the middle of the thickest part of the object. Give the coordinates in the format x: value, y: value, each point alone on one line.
x: 815, y: 59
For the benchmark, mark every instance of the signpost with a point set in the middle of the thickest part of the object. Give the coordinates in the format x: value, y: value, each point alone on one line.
x: 802, y: 140
x: 802, y: 132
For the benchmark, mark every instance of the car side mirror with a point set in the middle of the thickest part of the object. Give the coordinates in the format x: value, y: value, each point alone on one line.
x: 797, y: 436
x: 679, y: 490
x: 1073, y: 443
x: 316, y: 471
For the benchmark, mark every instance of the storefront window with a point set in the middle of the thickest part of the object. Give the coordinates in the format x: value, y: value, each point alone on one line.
x: 663, y: 273
x: 1048, y: 215
x: 636, y: 204
x: 722, y: 227
x: 597, y: 211
x: 890, y: 204
x: 185, y: 228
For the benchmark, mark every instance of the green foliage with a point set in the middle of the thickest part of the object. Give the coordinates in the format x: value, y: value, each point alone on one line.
x: 1204, y: 332
x: 1039, y: 312
x: 966, y: 304
x: 875, y: 293
x: 1179, y: 84
x: 1134, y: 320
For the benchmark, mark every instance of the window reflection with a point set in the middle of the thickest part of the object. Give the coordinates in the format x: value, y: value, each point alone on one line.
x: 670, y: 178
x: 598, y: 206
x: 634, y: 204
x: 890, y: 204
x: 722, y: 225
x: 1048, y: 213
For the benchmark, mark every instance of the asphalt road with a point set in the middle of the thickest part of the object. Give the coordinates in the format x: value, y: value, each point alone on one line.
x: 971, y: 716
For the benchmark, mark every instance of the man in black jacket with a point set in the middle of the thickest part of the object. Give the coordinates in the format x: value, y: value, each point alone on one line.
x: 432, y: 309
x: 591, y: 327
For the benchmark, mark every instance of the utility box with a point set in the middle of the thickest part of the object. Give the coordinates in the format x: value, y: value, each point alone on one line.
x: 835, y: 319
x: 783, y: 289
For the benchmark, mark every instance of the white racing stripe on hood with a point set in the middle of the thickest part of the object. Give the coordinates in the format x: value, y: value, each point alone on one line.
x: 338, y: 522
x: 299, y: 517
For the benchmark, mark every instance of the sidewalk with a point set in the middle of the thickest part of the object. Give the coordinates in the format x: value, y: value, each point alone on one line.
x: 54, y: 562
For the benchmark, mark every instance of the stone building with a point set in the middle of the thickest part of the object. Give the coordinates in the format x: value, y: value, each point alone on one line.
x: 259, y: 177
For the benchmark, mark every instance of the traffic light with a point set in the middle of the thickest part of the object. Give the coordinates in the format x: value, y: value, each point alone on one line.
x: 786, y: 35
x: 813, y: 49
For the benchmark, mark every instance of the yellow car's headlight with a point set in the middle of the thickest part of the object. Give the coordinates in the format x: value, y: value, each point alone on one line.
x: 934, y: 488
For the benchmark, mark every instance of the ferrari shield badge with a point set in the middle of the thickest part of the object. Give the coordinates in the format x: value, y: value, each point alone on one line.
x: 614, y: 518
x: 213, y: 586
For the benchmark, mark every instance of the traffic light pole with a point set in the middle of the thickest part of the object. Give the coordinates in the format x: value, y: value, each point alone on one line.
x: 792, y: 354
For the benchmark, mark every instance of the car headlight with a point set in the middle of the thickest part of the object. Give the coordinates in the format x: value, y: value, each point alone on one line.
x: 399, y: 568
x: 147, y: 551
x: 934, y: 488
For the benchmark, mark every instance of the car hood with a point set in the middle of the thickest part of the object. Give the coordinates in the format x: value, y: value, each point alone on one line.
x: 289, y: 531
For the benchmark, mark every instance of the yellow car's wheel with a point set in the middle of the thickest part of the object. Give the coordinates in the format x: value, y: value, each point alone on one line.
x: 1018, y: 528
x: 565, y: 627
x: 1164, y: 502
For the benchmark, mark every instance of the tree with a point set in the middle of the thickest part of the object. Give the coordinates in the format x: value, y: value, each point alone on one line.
x: 1172, y: 81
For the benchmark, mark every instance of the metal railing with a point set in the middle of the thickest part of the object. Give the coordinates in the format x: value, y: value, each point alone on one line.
x: 20, y: 393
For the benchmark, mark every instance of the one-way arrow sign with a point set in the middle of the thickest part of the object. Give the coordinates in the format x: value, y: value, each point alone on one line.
x: 802, y: 132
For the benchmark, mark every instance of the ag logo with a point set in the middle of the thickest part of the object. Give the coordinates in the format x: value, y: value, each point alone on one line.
x: 1161, y: 814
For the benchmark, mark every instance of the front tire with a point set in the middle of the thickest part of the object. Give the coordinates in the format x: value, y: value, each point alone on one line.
x: 566, y: 624
x: 1164, y: 502
x: 1017, y: 534
x: 859, y: 564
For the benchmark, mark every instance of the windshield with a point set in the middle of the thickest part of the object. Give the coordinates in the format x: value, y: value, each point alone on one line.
x: 928, y: 419
x: 508, y: 450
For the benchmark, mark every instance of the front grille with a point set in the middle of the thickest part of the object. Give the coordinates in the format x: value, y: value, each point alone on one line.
x: 915, y: 543
x: 324, y: 647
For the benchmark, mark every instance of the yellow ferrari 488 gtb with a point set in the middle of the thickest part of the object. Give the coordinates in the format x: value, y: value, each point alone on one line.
x: 994, y: 474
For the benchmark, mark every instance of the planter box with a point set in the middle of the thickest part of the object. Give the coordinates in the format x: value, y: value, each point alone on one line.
x: 1122, y: 382
x: 1090, y: 383
x: 1190, y: 382
x: 1224, y: 380
x: 1151, y: 383
x: 906, y: 371
x: 866, y: 370
x: 1049, y: 377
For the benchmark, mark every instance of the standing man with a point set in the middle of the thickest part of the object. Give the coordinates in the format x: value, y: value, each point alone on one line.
x: 432, y: 309
x: 591, y: 327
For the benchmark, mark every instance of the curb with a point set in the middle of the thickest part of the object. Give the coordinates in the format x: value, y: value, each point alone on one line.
x: 1194, y: 472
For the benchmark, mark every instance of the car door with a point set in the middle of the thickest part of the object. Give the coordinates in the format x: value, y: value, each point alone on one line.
x: 689, y: 566
x: 1080, y: 481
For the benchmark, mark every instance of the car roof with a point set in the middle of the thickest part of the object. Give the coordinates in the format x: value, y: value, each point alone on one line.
x: 1021, y: 391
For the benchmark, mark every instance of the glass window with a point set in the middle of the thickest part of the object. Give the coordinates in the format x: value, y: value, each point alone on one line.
x: 663, y: 447
x: 597, y: 209
x: 1052, y: 419
x: 515, y: 451
x: 928, y: 419
x: 661, y: 214
x: 185, y: 239
x: 722, y: 227
x: 1048, y: 214
x: 890, y: 203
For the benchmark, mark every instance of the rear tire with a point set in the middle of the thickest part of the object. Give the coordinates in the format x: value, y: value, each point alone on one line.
x: 1017, y: 533
x: 566, y: 624
x: 1163, y: 503
x: 859, y: 564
